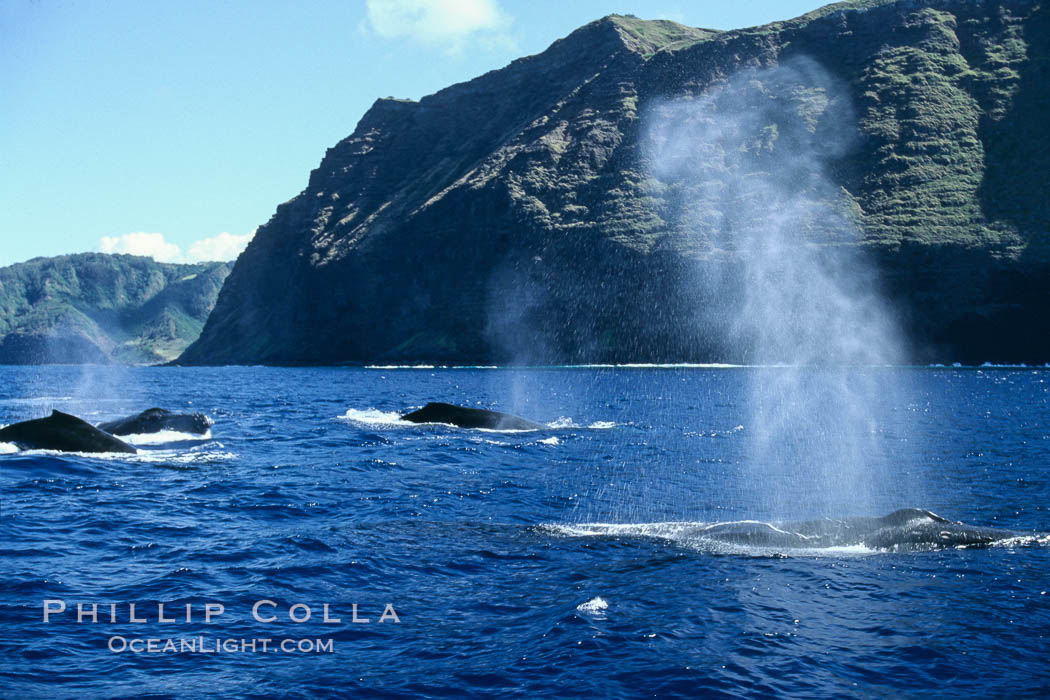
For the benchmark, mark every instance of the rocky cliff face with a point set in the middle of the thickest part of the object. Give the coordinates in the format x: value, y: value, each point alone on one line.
x: 521, y: 217
x: 97, y: 308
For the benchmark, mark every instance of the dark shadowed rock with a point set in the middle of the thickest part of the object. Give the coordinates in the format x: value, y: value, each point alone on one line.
x: 154, y: 420
x: 61, y: 431
x: 464, y: 417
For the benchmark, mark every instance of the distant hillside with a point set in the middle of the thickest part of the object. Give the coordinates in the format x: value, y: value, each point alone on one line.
x: 521, y: 216
x: 98, y: 308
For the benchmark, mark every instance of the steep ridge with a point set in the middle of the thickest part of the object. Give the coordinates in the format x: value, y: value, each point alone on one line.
x: 99, y: 308
x: 514, y: 218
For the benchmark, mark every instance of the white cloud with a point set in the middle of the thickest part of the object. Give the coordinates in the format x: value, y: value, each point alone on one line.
x: 224, y: 246
x: 437, y: 21
x: 151, y: 245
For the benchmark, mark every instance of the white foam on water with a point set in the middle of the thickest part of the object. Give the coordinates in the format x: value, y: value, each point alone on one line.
x: 548, y: 441
x: 192, y: 456
x: 594, y: 605
x: 847, y: 549
x: 1019, y: 541
x: 682, y: 365
x: 114, y: 456
x: 664, y: 529
x: 657, y: 365
x: 433, y: 367
x: 374, y: 417
x: 163, y: 436
x: 565, y: 422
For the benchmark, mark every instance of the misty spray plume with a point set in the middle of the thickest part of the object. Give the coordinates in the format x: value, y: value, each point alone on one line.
x: 743, y: 171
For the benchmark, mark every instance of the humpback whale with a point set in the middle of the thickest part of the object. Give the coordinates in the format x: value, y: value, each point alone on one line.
x: 154, y: 420
x: 61, y: 431
x: 463, y: 417
x: 908, y: 529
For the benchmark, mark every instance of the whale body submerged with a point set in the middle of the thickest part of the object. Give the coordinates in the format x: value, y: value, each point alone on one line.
x: 154, y: 420
x: 908, y: 529
x: 62, y: 432
x: 463, y: 417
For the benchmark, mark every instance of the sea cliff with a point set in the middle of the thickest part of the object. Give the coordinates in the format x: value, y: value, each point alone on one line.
x: 516, y: 217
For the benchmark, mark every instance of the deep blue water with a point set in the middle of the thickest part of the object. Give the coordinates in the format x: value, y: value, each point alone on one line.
x: 465, y: 533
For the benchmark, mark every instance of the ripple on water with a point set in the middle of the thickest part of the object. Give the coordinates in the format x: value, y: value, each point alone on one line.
x: 294, y: 498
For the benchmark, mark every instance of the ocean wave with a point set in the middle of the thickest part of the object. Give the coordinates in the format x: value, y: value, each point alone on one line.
x: 7, y: 448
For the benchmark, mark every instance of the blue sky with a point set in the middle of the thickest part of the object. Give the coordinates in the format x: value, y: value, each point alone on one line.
x: 176, y: 128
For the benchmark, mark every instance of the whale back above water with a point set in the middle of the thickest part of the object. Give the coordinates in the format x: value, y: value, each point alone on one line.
x: 154, y: 420
x: 62, y: 432
x: 908, y: 529
x: 463, y: 417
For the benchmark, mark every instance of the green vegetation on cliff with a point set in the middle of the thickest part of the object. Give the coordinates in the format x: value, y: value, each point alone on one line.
x: 99, y: 308
x: 515, y: 217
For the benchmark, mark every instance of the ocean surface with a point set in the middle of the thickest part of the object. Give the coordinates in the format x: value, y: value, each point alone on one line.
x: 526, y: 564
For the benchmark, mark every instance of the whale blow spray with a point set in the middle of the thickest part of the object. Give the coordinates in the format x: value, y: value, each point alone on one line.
x: 742, y: 170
